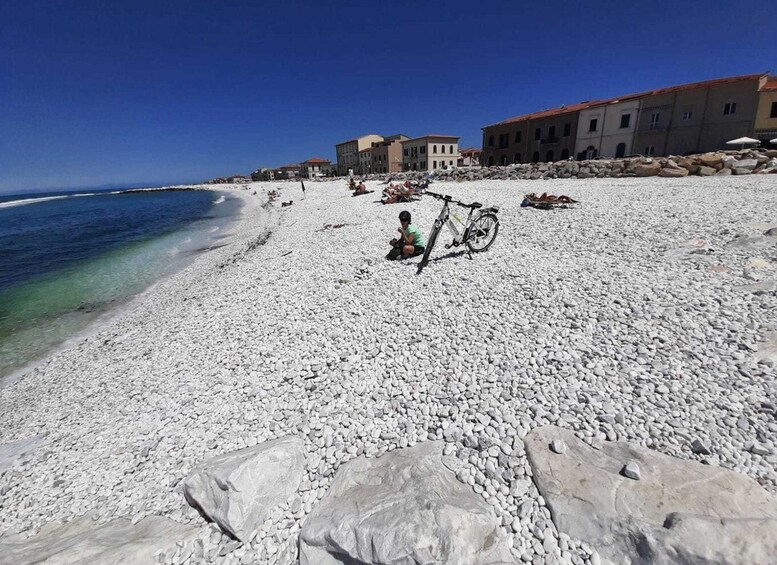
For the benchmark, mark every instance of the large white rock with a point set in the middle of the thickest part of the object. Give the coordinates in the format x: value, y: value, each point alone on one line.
x: 404, y: 508
x: 83, y: 541
x: 15, y: 452
x: 238, y: 490
x: 679, y: 512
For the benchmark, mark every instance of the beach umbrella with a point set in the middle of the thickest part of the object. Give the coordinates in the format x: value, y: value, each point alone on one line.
x: 743, y: 141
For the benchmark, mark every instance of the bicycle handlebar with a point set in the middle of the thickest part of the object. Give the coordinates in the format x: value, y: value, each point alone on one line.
x: 447, y: 198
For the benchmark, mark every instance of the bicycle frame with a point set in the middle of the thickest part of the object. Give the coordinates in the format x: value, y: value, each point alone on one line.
x: 445, y: 219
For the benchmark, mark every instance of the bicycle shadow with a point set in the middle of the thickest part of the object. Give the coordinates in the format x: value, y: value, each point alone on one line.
x: 449, y: 255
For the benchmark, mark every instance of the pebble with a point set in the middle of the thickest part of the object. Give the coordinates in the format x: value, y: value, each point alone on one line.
x: 631, y: 470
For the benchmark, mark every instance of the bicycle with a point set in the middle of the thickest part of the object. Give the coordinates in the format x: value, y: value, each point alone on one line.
x: 479, y: 232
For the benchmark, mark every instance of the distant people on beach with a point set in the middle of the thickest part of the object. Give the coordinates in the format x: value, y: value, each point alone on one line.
x: 410, y: 241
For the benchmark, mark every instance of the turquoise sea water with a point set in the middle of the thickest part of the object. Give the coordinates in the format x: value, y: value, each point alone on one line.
x: 67, y: 259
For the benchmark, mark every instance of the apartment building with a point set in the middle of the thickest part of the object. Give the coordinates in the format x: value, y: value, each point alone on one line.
x: 430, y: 153
x: 766, y: 114
x: 290, y: 171
x: 470, y: 157
x: 347, y: 152
x: 607, y: 129
x: 548, y: 135
x: 676, y: 120
x: 697, y: 117
x: 365, y: 162
x: 386, y: 155
x: 315, y: 167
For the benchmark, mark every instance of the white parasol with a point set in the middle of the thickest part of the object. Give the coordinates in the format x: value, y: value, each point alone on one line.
x: 743, y: 141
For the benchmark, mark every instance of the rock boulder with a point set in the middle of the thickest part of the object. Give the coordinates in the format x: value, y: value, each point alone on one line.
x: 679, y: 512
x: 238, y: 490
x: 646, y: 169
x: 84, y: 541
x: 405, y: 507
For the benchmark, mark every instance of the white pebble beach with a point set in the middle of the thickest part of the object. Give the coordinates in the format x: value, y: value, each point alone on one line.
x: 630, y: 316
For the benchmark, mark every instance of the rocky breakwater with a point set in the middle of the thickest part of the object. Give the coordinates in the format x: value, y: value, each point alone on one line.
x: 706, y: 164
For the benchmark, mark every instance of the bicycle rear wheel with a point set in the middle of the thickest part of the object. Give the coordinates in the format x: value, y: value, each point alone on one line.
x: 482, y: 232
x: 429, y: 244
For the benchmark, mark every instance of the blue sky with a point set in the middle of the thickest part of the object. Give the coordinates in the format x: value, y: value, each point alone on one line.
x: 98, y: 93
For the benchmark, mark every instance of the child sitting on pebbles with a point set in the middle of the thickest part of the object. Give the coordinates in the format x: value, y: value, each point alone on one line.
x: 410, y: 243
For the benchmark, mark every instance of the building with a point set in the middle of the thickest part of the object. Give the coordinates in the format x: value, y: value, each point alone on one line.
x: 314, y: 167
x: 607, y: 129
x: 469, y: 157
x: 348, y: 152
x: 689, y: 118
x: 766, y: 114
x: 697, y: 117
x: 430, y: 153
x: 263, y: 174
x: 290, y: 171
x: 365, y: 162
x: 548, y: 135
x: 386, y: 155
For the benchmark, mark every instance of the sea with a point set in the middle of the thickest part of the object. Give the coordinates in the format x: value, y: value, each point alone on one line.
x: 70, y: 259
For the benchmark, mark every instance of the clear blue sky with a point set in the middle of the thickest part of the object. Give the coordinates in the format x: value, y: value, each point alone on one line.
x: 95, y: 93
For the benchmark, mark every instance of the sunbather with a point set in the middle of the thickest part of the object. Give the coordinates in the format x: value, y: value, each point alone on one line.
x: 410, y: 241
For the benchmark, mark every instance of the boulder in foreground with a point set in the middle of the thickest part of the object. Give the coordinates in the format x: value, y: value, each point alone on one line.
x: 679, y: 512
x: 83, y: 541
x: 404, y: 508
x: 238, y: 490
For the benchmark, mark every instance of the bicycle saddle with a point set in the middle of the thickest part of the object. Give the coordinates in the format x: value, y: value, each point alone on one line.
x: 475, y: 205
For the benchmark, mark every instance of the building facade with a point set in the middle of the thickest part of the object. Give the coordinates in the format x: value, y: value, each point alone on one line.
x: 430, y: 153
x: 549, y: 135
x: 677, y: 120
x: 365, y: 162
x: 314, y: 167
x: 607, y: 130
x: 348, y: 152
x: 469, y: 157
x: 766, y: 114
x: 386, y: 155
x: 290, y: 171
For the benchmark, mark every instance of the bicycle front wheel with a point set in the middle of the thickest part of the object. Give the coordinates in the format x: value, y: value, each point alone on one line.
x: 482, y: 232
x: 429, y: 244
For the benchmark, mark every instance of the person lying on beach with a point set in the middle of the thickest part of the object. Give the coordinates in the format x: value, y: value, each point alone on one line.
x: 351, y: 184
x: 397, y: 193
x: 361, y: 188
x: 410, y: 241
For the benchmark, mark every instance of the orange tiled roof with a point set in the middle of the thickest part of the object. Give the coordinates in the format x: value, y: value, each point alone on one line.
x: 470, y: 150
x: 589, y: 103
x: 432, y: 135
x: 316, y: 161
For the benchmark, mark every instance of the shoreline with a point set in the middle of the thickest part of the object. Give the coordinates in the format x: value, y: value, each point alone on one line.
x: 600, y: 319
x: 109, y: 314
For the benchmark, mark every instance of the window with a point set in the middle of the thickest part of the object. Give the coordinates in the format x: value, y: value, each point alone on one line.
x: 687, y: 113
x: 450, y: 163
x: 451, y: 149
x: 517, y: 136
x: 625, y: 120
x: 517, y: 158
x: 423, y: 149
x: 620, y: 150
x: 552, y: 133
x: 729, y: 108
x: 434, y: 149
x: 504, y: 139
x: 434, y: 164
x: 564, y: 154
x: 592, y: 124
x: 649, y: 150
x: 406, y: 152
x: 490, y: 140
x: 773, y: 114
x: 654, y: 117
x: 442, y: 148
x: 549, y: 156
x: 490, y: 160
x: 423, y: 164
x: 567, y: 129
x: 536, y: 157
x: 537, y: 135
